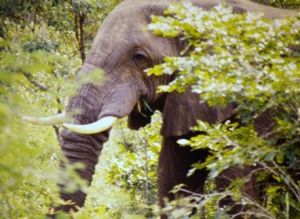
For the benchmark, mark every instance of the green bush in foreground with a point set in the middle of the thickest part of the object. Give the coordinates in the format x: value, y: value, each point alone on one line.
x: 247, y: 60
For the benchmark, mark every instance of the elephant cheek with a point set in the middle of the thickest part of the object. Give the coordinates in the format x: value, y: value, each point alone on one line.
x: 121, y: 101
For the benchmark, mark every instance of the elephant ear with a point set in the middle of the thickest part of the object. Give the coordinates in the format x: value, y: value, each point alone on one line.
x: 182, y: 110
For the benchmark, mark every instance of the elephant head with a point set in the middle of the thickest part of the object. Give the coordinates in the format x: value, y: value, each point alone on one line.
x: 124, y: 49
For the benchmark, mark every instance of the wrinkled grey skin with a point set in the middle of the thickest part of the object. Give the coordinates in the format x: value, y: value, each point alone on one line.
x: 117, y: 49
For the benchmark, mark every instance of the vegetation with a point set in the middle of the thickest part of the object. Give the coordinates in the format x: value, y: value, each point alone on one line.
x: 247, y: 60
x: 42, y: 46
x: 280, y: 3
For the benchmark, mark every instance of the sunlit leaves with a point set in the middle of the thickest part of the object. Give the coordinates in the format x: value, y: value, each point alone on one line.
x: 229, y: 145
x: 137, y: 164
x: 38, y: 59
x: 126, y: 180
x: 232, y: 54
x: 248, y: 60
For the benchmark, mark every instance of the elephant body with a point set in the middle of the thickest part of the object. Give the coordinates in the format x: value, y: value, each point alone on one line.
x: 123, y: 49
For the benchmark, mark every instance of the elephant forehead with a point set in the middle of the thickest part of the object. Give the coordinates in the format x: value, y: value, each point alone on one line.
x: 124, y: 29
x: 128, y: 17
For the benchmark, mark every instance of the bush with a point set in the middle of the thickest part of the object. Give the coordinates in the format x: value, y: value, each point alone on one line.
x: 247, y: 60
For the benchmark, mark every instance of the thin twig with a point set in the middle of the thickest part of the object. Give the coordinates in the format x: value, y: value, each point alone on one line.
x: 283, y: 178
x: 288, y: 179
x: 35, y: 83
x: 144, y: 143
x: 257, y: 214
x: 254, y: 203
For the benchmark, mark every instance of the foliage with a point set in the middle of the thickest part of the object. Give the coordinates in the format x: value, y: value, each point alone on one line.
x: 38, y: 54
x: 135, y: 170
x: 125, y: 183
x: 280, y: 3
x: 42, y: 45
x: 247, y: 60
x: 24, y: 158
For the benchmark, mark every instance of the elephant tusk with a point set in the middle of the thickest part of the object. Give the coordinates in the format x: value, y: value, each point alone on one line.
x: 92, y: 128
x: 50, y: 120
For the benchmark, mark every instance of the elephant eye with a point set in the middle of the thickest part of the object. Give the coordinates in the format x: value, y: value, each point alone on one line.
x: 140, y: 60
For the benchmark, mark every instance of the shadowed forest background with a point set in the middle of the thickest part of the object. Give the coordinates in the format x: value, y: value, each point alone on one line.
x: 42, y: 47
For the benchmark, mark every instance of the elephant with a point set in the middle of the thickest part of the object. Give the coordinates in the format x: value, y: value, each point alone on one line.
x: 123, y: 49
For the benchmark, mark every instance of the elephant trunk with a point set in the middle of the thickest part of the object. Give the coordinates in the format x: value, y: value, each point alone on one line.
x: 81, y: 148
x: 84, y: 149
x: 115, y: 98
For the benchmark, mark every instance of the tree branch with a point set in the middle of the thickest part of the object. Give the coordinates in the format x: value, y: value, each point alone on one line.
x: 81, y: 34
x: 35, y: 83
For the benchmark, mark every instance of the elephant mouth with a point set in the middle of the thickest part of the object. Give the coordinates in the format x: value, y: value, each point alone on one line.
x: 142, y: 108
